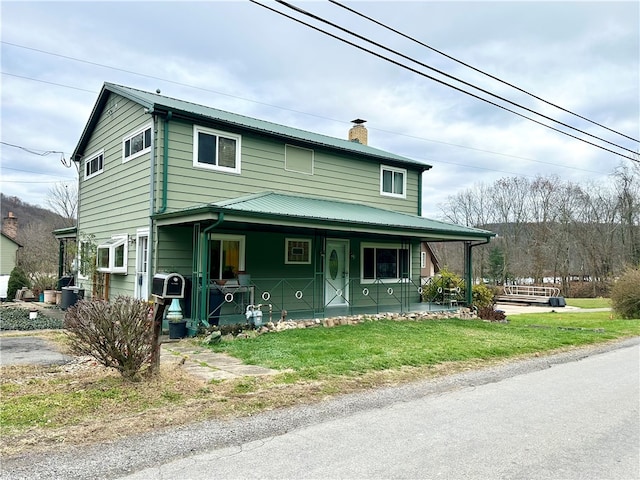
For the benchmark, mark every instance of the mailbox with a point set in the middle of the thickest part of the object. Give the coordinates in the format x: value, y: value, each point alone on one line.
x: 168, y: 285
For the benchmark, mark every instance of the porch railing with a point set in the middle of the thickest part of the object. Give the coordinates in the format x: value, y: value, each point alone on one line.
x: 311, y: 298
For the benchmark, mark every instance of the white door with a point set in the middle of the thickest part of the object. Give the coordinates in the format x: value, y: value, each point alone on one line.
x: 142, y: 262
x: 336, y: 272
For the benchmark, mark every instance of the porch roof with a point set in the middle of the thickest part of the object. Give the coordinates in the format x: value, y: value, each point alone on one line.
x: 315, y: 212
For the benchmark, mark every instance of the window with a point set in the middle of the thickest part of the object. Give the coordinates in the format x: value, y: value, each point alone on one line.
x: 393, y: 182
x: 226, y: 256
x: 86, y: 252
x: 93, y: 165
x: 423, y: 259
x: 112, y: 255
x: 384, y: 262
x: 216, y: 150
x: 297, y: 251
x: 298, y: 159
x: 136, y: 144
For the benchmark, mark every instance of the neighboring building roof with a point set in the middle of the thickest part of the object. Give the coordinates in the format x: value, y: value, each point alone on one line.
x: 66, y: 232
x: 156, y: 103
x: 11, y: 238
x: 315, y: 212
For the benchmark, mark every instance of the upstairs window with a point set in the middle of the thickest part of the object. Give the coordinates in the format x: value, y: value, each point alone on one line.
x: 93, y: 165
x: 385, y: 263
x: 393, y: 182
x: 136, y: 144
x: 216, y: 150
x: 112, y: 255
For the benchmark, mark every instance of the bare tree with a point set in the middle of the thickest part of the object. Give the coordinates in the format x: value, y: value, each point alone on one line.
x: 63, y: 199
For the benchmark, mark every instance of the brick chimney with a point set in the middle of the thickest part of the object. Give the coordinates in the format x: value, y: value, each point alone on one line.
x: 358, y: 133
x: 10, y: 226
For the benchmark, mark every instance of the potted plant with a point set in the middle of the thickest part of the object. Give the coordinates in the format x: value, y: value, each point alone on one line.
x: 45, y: 284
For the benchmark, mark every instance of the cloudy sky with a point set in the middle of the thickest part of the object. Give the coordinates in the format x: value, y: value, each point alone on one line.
x: 241, y: 57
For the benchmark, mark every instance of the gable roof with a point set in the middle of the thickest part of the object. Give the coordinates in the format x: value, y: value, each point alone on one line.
x: 11, y: 238
x: 314, y: 212
x: 160, y: 104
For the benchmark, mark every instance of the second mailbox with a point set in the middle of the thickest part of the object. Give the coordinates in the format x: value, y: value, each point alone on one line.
x: 168, y: 285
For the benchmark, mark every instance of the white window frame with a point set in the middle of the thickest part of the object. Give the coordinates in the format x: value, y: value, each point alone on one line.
x: 216, y: 133
x: 87, y: 162
x: 226, y: 237
x: 287, y: 246
x: 376, y: 246
x: 393, y: 170
x: 128, y: 138
x: 423, y: 259
x: 111, y: 245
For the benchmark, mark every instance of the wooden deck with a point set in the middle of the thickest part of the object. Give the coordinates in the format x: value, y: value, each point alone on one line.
x: 528, y: 295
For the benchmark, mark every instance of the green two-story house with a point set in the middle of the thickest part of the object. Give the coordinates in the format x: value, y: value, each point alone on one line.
x: 249, y: 211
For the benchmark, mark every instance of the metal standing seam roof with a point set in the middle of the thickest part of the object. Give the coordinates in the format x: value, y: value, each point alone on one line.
x: 300, y: 208
x: 154, y: 101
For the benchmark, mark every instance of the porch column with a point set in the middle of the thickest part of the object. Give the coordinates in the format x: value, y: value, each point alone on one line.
x: 468, y: 274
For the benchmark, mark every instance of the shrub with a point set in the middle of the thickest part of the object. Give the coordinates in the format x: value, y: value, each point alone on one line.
x: 17, y: 280
x: 118, y: 334
x: 488, y: 313
x: 625, y: 294
x: 443, y: 280
x: 482, y: 296
x: 18, y: 319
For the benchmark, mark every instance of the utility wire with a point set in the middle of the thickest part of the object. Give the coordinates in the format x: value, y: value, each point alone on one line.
x: 406, y: 57
x: 478, y: 70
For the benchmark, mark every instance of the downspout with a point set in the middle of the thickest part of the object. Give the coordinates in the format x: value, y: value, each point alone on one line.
x: 152, y: 199
x: 467, y: 270
x: 204, y: 256
x: 165, y: 161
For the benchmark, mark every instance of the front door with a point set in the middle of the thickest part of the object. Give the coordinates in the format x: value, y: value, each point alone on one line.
x: 336, y: 272
x: 142, y: 262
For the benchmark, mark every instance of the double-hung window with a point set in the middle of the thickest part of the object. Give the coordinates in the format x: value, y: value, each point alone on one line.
x: 111, y: 255
x: 136, y: 143
x: 393, y: 181
x: 216, y: 150
x: 384, y: 262
x: 94, y: 164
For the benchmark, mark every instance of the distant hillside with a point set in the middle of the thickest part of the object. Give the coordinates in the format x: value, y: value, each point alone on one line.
x: 31, y: 215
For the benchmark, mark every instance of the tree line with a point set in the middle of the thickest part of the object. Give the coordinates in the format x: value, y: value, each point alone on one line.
x: 551, y: 230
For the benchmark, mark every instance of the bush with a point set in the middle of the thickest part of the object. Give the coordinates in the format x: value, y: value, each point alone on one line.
x: 483, y: 296
x: 118, y: 334
x: 625, y: 294
x: 488, y: 313
x: 18, y: 319
x: 442, y: 281
x: 17, y: 280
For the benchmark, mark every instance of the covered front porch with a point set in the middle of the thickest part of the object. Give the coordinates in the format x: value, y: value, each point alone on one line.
x: 273, y: 256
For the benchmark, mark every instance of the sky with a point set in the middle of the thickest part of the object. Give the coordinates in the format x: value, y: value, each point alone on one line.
x: 240, y: 57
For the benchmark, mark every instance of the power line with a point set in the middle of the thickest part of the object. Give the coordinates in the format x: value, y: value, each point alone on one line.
x: 478, y: 70
x: 299, y: 10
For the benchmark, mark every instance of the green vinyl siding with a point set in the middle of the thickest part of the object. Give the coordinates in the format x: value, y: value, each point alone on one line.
x: 263, y: 168
x: 8, y: 249
x: 115, y: 201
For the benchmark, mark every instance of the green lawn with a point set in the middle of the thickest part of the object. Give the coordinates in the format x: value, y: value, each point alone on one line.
x: 380, y: 345
x: 589, y: 302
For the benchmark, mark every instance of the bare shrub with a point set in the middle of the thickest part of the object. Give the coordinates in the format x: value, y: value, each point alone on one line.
x: 625, y: 294
x: 117, y: 334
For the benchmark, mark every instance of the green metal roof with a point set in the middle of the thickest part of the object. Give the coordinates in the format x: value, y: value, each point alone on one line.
x: 279, y: 208
x: 160, y: 104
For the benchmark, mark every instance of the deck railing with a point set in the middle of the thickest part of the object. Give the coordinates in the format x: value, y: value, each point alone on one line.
x: 531, y: 290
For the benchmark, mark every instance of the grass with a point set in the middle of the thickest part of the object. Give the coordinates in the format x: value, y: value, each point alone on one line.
x: 589, y: 302
x: 382, y: 345
x: 45, y: 408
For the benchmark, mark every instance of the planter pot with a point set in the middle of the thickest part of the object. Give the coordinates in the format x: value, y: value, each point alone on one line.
x: 50, y: 296
x: 177, y: 329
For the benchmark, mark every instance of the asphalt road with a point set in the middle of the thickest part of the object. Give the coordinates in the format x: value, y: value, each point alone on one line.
x: 572, y: 415
x: 30, y: 350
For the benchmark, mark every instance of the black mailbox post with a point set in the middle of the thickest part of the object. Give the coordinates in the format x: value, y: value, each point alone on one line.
x: 168, y: 285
